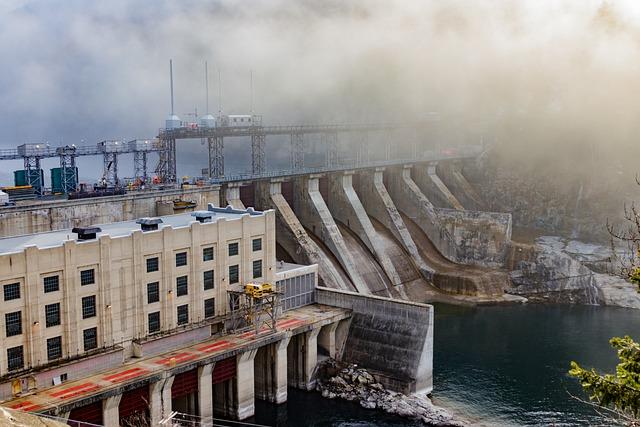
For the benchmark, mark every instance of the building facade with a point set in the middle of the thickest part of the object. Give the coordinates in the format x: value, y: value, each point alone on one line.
x: 67, y: 297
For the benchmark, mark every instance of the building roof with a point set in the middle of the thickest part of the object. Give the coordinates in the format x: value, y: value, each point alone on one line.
x: 115, y: 229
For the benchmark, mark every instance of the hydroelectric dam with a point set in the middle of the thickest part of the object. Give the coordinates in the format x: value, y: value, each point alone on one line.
x: 184, y: 303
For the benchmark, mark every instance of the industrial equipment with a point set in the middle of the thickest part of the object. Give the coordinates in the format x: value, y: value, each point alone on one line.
x: 258, y: 290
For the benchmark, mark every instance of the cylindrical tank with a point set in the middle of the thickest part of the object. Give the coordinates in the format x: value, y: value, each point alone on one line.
x: 207, y: 121
x: 173, y: 122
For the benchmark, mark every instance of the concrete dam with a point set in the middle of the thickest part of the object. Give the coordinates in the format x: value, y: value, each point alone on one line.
x: 398, y: 231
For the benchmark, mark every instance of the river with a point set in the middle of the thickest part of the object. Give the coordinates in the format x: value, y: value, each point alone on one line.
x: 503, y: 365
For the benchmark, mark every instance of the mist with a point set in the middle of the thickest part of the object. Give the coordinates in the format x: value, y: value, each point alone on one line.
x: 551, y: 85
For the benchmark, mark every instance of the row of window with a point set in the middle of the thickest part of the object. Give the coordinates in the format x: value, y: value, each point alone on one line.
x: 50, y: 284
x: 182, y: 312
x: 13, y: 321
x: 153, y: 263
x: 15, y: 355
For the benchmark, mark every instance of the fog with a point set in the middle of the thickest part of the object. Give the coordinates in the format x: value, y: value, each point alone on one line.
x: 552, y: 85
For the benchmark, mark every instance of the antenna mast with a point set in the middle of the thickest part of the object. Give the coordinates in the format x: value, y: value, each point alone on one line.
x: 206, y: 82
x: 171, y: 80
x: 251, y: 90
x: 219, y: 93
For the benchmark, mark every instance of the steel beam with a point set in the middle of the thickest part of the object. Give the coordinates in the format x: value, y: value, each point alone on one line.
x: 166, y: 169
x: 216, y: 157
x: 258, y: 161
x: 297, y: 151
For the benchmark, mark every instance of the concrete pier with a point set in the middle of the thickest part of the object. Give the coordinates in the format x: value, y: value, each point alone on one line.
x: 232, y: 195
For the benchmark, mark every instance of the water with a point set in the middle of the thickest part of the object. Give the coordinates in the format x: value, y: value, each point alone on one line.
x: 507, y: 365
x: 493, y: 366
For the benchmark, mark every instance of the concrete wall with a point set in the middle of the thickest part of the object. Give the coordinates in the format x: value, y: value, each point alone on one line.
x: 464, y: 237
x: 39, y: 217
x: 391, y: 337
x: 480, y: 238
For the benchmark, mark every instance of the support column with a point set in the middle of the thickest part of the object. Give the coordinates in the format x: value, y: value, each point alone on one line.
x: 271, y: 372
x: 216, y: 157
x: 245, y: 393
x: 310, y: 358
x: 327, y: 339
x: 303, y: 359
x: 160, y: 399
x: 110, y: 412
x: 205, y: 390
x: 232, y: 194
x: 258, y: 162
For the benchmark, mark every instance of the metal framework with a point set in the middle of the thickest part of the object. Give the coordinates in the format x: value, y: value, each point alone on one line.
x: 110, y: 169
x: 248, y: 312
x: 68, y: 168
x: 32, y: 173
x: 140, y: 166
x: 258, y: 158
x: 297, y: 151
x: 166, y: 168
x: 216, y: 157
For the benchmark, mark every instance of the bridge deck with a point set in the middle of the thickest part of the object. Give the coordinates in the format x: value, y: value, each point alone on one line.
x: 139, y: 371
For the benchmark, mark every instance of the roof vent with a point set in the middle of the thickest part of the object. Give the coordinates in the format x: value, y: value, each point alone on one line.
x: 149, y: 224
x: 86, y: 233
x: 203, y: 216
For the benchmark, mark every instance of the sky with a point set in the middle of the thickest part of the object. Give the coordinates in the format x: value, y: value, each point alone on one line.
x: 532, y: 75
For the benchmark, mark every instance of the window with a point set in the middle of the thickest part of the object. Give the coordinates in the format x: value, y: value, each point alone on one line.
x: 154, y: 322
x: 11, y: 291
x: 52, y: 314
x: 256, y: 244
x: 181, y: 286
x: 54, y: 348
x: 153, y: 292
x: 87, y: 277
x: 51, y: 284
x: 183, y: 314
x: 90, y: 337
x: 257, y: 268
x: 233, y: 274
x: 181, y: 259
x: 15, y: 358
x: 233, y: 249
x: 13, y: 323
x: 88, y: 307
x: 152, y: 264
x: 209, y: 307
x: 207, y: 254
x: 208, y: 280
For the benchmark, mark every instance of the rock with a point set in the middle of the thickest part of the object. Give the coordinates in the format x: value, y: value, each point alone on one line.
x: 354, y: 384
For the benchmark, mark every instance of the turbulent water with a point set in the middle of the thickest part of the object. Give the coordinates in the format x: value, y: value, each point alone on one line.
x: 493, y: 366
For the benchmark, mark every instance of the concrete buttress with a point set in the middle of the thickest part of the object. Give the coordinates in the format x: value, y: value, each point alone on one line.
x: 379, y: 205
x: 346, y: 207
x: 232, y: 194
x: 315, y: 214
x: 292, y: 236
